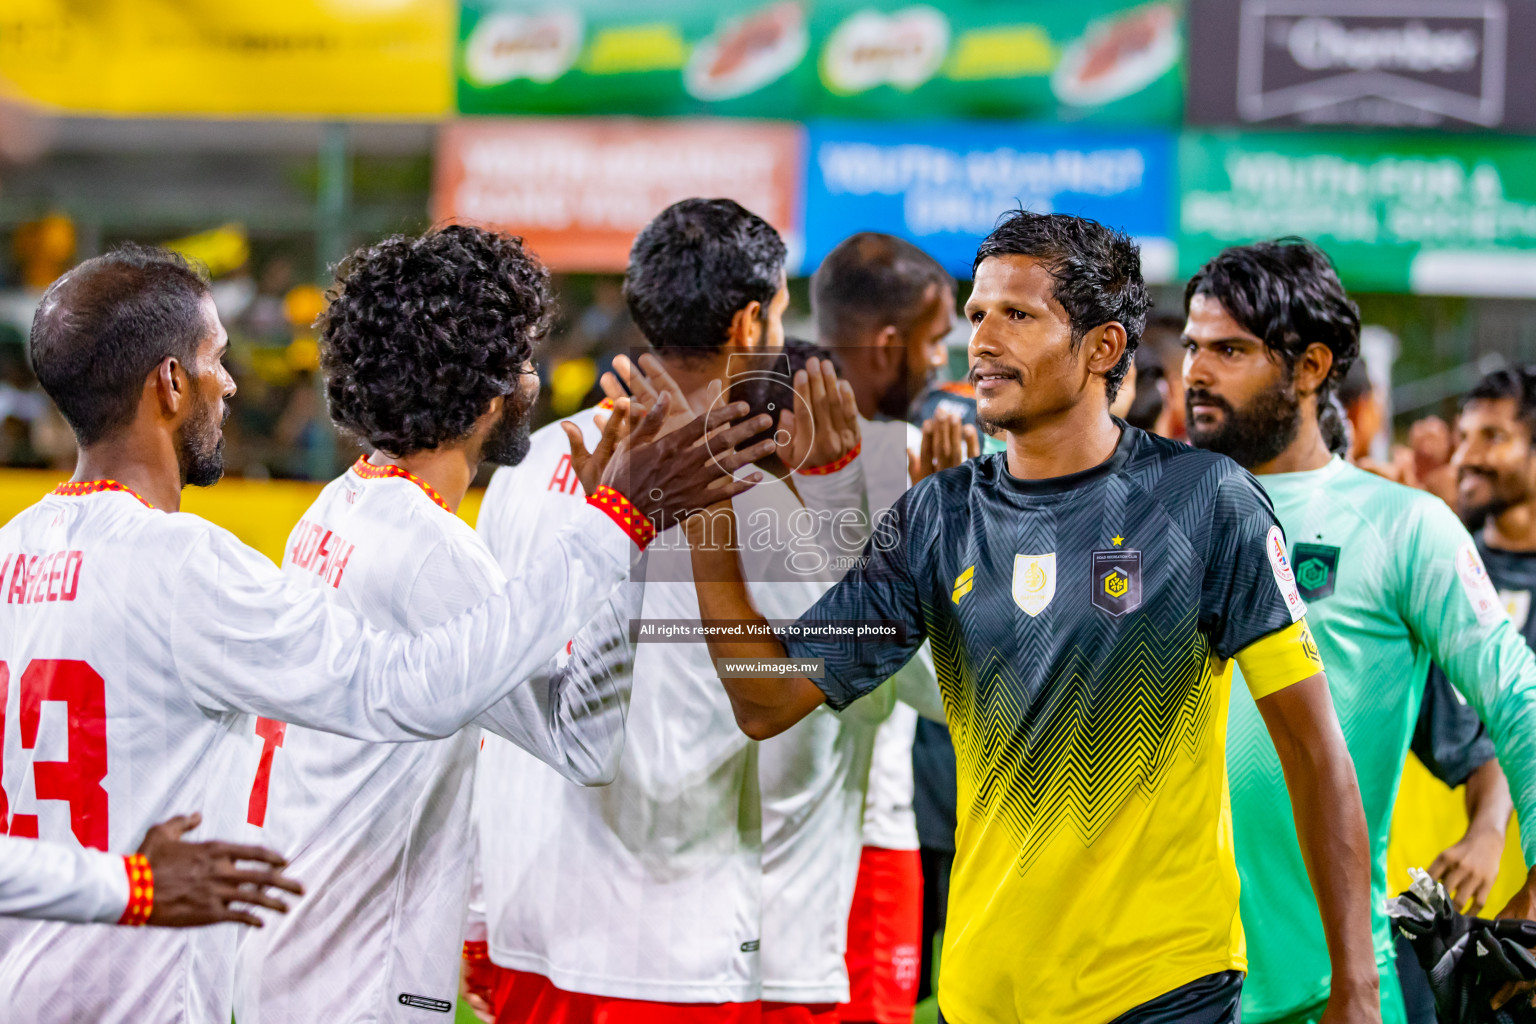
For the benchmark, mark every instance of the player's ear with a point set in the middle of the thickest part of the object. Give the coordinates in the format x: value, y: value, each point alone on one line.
x: 168, y: 386
x: 1104, y: 345
x: 1312, y: 368
x: 747, y: 326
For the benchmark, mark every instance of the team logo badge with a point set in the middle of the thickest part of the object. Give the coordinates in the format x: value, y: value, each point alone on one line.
x: 1518, y: 604
x: 1034, y: 581
x: 1317, y: 569
x: 1117, y: 581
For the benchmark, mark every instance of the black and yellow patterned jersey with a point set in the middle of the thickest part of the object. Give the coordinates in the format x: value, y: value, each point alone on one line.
x: 1083, y: 629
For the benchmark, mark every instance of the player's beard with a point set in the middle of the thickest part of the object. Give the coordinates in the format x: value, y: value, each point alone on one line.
x: 1504, y: 493
x: 509, y: 440
x: 1254, y: 436
x: 897, y: 399
x: 200, y: 445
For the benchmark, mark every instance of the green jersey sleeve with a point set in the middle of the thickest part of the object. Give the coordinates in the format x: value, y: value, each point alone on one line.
x: 1452, y: 608
x: 1249, y: 590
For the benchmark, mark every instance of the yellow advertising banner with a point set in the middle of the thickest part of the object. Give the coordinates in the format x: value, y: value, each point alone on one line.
x: 295, y: 58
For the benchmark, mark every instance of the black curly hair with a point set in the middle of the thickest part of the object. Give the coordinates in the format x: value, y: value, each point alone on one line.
x: 1097, y: 271
x: 420, y: 334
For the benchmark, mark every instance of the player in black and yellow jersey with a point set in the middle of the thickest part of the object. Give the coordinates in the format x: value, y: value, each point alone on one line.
x: 1085, y: 594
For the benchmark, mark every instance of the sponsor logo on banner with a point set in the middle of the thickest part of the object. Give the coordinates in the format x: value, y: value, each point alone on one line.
x: 902, y: 49
x: 1389, y: 62
x: 1034, y: 581
x: 748, y: 52
x: 1116, y: 581
x: 1479, y: 589
x: 1285, y: 579
x: 538, y: 47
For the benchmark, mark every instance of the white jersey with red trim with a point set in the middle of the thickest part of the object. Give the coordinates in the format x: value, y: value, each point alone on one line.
x: 134, y: 647
x: 379, y: 832
x: 54, y: 882
x: 814, y: 779
x: 889, y: 821
x: 650, y: 888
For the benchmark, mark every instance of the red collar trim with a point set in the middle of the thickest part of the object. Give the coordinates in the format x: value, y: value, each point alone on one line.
x: 76, y: 488
x: 368, y: 471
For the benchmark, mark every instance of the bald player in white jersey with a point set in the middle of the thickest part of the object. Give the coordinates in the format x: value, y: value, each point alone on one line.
x: 136, y: 640
x: 381, y: 831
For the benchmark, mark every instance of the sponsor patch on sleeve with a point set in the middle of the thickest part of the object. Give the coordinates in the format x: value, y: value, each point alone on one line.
x: 1285, y: 579
x: 1477, y: 586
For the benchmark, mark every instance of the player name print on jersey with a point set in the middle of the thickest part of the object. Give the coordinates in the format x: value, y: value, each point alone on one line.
x: 35, y: 579
x: 1034, y: 581
x: 320, y: 550
x: 1317, y: 569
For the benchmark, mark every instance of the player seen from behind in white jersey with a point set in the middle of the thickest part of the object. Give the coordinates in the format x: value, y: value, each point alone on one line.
x: 137, y: 641
x: 426, y: 347
x: 642, y: 901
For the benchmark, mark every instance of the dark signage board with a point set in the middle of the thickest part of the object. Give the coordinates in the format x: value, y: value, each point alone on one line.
x: 1379, y: 63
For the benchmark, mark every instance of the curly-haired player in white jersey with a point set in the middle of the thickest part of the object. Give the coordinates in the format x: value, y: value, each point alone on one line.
x: 136, y: 641
x: 426, y: 348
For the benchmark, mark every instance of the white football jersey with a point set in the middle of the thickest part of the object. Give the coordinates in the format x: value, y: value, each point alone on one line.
x: 54, y: 882
x: 814, y: 776
x: 379, y: 832
x: 889, y: 821
x: 651, y: 887
x: 134, y: 647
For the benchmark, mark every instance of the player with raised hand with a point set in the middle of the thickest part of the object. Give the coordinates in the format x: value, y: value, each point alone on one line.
x: 426, y: 347
x: 1392, y: 582
x: 1086, y: 594
x: 168, y: 883
x: 673, y: 846
x: 153, y: 636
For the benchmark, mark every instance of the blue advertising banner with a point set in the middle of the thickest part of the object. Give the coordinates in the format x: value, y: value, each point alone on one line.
x: 942, y: 186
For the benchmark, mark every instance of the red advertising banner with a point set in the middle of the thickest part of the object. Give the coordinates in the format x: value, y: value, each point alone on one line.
x: 579, y: 190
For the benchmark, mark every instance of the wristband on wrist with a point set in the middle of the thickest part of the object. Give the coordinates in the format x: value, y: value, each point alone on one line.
x: 623, y: 512
x: 141, y: 890
x: 832, y: 467
x: 476, y: 951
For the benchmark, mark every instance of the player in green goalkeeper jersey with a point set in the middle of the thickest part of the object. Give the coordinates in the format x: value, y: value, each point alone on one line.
x: 1391, y: 578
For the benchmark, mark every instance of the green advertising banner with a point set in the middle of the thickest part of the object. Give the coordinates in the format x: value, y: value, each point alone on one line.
x: 1101, y: 60
x: 1439, y: 215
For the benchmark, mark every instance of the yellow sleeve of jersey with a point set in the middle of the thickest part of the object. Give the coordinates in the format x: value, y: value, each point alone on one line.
x: 1284, y: 657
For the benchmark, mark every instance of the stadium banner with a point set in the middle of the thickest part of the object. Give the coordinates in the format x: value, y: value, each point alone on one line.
x: 1095, y: 59
x: 578, y: 190
x: 942, y: 186
x: 300, y: 58
x: 1436, y: 215
x: 1386, y: 63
